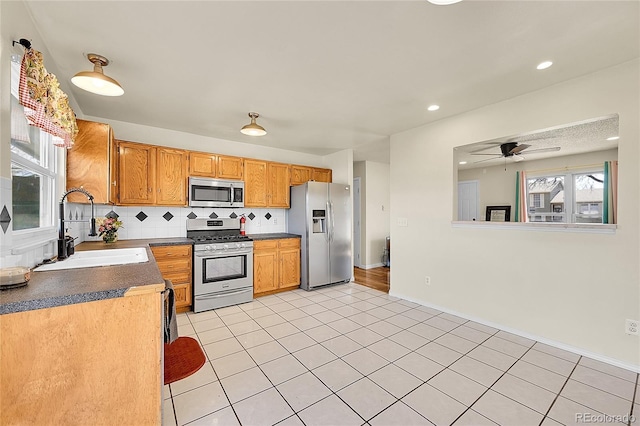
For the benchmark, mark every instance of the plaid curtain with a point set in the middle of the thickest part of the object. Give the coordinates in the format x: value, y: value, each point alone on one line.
x: 610, y: 193
x: 46, y: 106
x: 521, y: 197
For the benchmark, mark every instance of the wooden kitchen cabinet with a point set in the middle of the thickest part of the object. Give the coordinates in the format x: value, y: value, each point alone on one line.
x: 171, y: 179
x: 321, y: 175
x: 175, y: 264
x: 202, y: 164
x: 91, y: 163
x: 276, y: 265
x: 149, y: 174
x: 136, y: 173
x: 92, y: 363
x: 278, y: 185
x: 266, y: 184
x: 230, y: 167
x: 255, y: 183
x: 300, y: 174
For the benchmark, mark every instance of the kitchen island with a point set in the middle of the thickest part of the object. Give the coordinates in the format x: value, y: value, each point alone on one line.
x: 84, y: 346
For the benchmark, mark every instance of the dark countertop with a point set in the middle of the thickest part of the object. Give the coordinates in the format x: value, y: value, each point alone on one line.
x: 273, y: 236
x: 65, y: 287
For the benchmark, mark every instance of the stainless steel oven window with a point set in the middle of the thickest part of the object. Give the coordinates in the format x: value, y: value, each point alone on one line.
x: 224, y: 268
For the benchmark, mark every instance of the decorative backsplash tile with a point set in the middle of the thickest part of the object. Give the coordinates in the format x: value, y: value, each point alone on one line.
x: 233, y: 215
x: 170, y: 222
x: 5, y: 219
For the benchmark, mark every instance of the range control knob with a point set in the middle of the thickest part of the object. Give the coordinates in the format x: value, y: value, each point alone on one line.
x: 226, y: 246
x: 207, y: 248
x: 238, y: 245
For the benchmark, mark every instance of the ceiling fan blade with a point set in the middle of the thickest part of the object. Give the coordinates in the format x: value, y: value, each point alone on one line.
x: 554, y: 148
x: 518, y: 149
x: 490, y: 145
x: 487, y: 159
x: 487, y: 154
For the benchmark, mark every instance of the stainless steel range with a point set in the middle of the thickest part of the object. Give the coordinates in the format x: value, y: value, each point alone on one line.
x: 223, y: 263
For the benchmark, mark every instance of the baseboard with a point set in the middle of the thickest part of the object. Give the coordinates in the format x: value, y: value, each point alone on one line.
x: 375, y: 265
x: 556, y: 344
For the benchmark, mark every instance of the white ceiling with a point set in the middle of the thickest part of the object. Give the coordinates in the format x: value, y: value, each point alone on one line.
x: 570, y: 139
x: 326, y: 75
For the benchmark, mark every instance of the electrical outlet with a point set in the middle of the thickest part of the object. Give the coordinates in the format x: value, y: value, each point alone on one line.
x: 275, y: 220
x: 403, y: 221
x: 427, y: 280
x: 631, y: 327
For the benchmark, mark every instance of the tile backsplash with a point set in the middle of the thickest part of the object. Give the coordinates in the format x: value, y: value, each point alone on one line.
x: 165, y: 222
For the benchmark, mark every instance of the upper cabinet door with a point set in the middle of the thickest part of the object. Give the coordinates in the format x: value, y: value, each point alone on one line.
x: 172, y: 177
x: 300, y: 174
x: 255, y: 183
x: 136, y: 173
x: 278, y: 189
x: 202, y: 164
x: 230, y: 167
x: 91, y: 163
x: 321, y: 175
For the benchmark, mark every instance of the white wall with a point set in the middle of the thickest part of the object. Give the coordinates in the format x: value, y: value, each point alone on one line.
x: 590, y: 283
x: 497, y: 187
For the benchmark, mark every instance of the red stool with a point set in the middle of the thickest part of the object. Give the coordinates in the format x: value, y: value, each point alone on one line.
x: 182, y: 358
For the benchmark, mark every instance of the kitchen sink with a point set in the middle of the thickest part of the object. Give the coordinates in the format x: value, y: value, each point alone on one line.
x: 93, y: 258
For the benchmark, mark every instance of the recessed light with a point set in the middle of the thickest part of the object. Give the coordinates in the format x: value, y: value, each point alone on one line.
x: 544, y: 65
x: 443, y: 2
x: 462, y: 162
x: 613, y: 138
x: 433, y: 107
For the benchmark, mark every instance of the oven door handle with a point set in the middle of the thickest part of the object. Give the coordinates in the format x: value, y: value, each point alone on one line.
x: 215, y: 296
x: 218, y: 253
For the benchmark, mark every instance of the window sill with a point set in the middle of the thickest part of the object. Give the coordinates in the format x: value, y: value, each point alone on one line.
x: 539, y: 226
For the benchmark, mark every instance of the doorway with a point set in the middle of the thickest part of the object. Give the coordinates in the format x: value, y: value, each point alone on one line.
x: 356, y: 223
x: 468, y: 200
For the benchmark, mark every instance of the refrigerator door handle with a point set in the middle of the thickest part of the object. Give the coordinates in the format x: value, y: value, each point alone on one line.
x: 332, y: 221
x: 327, y: 233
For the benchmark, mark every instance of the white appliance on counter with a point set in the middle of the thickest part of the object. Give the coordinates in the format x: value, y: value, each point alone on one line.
x: 321, y: 213
x: 223, y: 263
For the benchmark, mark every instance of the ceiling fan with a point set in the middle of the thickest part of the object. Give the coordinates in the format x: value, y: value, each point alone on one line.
x: 512, y: 149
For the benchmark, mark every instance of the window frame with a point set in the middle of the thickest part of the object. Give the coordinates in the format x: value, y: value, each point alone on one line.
x: 48, y: 168
x: 570, y: 204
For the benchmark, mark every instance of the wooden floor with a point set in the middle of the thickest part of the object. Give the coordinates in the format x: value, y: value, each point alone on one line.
x: 377, y: 278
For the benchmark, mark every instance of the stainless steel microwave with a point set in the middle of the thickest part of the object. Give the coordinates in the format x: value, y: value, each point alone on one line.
x: 205, y: 192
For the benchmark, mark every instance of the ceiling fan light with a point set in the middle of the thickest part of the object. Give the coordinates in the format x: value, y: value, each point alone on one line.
x: 518, y: 158
x: 95, y: 81
x: 253, y: 129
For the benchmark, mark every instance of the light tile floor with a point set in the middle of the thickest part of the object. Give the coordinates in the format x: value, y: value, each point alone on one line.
x: 351, y: 355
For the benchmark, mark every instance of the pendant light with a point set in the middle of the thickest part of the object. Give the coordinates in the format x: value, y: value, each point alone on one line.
x: 95, y: 81
x: 253, y: 129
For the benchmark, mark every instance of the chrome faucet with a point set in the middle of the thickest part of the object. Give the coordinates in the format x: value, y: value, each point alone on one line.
x: 63, y: 251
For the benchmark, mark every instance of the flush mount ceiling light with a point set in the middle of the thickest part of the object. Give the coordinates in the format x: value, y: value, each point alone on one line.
x: 544, y: 65
x: 433, y: 108
x: 95, y: 81
x: 613, y: 138
x: 253, y: 129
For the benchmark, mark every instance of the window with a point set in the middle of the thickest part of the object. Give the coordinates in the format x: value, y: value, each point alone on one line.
x: 572, y: 197
x: 33, y: 168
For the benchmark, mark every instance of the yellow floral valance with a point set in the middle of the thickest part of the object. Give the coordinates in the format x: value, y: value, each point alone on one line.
x: 46, y: 106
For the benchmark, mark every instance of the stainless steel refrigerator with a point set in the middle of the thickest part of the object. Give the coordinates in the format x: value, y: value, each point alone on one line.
x: 321, y: 213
